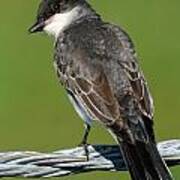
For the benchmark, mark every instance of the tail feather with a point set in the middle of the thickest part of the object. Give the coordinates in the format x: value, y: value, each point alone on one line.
x: 159, y: 162
x: 144, y: 161
x: 133, y: 161
x: 147, y: 161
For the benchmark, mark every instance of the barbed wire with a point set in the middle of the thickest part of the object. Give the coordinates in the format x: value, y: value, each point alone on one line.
x: 73, y: 161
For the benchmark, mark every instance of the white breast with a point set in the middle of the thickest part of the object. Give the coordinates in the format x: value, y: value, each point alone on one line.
x: 57, y: 23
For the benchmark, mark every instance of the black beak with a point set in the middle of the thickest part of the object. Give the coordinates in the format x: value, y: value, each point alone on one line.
x: 37, y: 27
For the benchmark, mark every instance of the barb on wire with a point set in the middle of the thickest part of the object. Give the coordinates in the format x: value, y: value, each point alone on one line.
x: 73, y: 161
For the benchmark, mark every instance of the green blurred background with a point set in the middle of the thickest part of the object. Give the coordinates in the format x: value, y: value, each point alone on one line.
x: 36, y: 115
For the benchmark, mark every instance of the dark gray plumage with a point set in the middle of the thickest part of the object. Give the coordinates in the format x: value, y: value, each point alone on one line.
x: 97, y: 64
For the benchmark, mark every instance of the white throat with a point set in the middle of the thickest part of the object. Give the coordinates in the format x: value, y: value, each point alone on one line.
x: 57, y: 23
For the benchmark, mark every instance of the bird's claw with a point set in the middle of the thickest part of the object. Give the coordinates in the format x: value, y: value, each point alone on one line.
x: 85, y: 147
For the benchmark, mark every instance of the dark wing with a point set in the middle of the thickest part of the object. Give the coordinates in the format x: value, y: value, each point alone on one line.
x: 139, y: 86
x: 139, y: 89
x: 128, y: 61
x: 89, y: 83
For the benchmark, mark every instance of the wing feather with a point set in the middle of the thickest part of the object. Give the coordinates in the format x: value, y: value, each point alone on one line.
x: 92, y: 87
x: 128, y: 60
x: 98, y: 98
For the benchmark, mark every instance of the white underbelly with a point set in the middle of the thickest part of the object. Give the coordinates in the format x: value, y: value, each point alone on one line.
x: 80, y: 109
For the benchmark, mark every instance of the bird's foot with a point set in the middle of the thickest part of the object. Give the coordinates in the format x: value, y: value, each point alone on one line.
x: 85, y: 147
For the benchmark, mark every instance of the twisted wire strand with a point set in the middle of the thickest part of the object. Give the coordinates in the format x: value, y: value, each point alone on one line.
x: 73, y: 161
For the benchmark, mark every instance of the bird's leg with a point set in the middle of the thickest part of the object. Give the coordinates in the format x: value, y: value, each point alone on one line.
x: 84, y: 140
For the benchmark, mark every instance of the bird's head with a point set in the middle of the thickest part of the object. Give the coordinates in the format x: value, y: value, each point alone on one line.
x: 55, y: 15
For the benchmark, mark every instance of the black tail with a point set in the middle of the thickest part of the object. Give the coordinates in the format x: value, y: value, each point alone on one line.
x: 144, y: 161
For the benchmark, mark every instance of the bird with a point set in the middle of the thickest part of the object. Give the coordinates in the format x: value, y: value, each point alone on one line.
x: 97, y: 64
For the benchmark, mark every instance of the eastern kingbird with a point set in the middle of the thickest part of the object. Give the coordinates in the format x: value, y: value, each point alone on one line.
x: 97, y: 64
